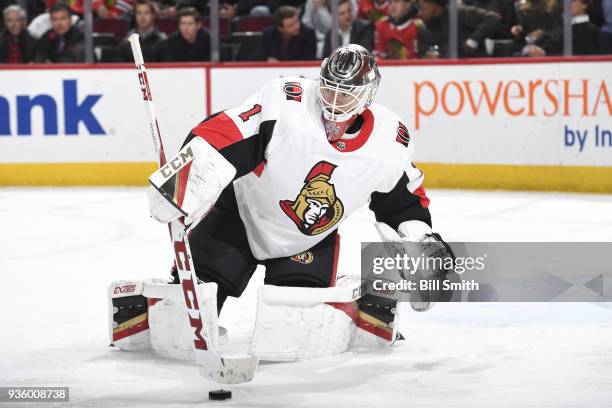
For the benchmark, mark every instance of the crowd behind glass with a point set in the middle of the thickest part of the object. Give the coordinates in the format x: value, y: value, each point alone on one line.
x: 51, y: 31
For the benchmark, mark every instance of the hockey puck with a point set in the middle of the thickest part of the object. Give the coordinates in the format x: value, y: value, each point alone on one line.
x: 219, y: 395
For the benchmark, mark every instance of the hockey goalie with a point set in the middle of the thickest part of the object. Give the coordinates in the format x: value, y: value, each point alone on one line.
x: 268, y: 183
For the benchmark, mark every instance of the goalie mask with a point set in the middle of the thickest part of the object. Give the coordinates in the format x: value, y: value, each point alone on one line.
x: 348, y: 82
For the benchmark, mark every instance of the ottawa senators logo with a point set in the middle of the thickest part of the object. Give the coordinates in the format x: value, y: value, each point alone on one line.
x: 316, y: 208
x: 303, y: 258
x: 294, y: 91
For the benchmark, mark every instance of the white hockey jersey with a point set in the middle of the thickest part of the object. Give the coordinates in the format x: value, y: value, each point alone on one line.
x: 293, y: 187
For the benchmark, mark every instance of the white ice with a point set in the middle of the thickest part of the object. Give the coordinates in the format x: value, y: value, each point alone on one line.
x: 60, y: 248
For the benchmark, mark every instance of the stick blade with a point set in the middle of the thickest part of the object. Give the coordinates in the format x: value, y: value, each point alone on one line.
x: 234, y: 370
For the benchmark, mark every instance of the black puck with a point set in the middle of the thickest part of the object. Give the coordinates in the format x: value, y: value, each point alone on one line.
x: 219, y: 395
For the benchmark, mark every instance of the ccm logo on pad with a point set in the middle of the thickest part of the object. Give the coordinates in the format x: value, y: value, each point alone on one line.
x: 177, y: 163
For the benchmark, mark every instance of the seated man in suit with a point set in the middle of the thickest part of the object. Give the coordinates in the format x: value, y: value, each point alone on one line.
x: 351, y: 30
x: 64, y: 42
x: 190, y: 43
x: 150, y: 36
x: 288, y: 39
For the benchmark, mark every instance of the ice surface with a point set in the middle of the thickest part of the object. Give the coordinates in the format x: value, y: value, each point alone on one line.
x: 60, y: 248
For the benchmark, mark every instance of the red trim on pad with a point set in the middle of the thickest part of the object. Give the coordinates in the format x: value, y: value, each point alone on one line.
x: 129, y: 331
x: 375, y: 330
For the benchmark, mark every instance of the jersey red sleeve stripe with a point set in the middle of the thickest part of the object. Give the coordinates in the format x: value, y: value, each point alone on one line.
x: 420, y: 192
x: 220, y: 131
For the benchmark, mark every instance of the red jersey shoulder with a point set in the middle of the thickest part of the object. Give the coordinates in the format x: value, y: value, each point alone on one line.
x: 219, y: 130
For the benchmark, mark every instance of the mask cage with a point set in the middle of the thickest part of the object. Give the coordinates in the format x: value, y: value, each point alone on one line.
x: 359, y: 99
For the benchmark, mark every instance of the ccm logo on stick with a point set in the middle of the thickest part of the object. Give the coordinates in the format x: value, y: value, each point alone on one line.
x: 144, y: 84
x: 189, y: 291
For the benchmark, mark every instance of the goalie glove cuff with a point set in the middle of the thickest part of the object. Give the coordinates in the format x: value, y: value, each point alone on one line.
x: 414, y: 231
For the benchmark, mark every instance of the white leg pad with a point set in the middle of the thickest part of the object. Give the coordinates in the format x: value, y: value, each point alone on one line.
x: 170, y: 332
x: 171, y: 335
x: 163, y: 326
x: 302, y: 326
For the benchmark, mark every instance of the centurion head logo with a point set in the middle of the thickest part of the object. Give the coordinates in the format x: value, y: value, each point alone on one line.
x: 316, y: 209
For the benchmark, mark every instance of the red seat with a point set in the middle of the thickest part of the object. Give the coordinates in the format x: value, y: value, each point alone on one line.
x: 111, y: 25
x: 166, y: 25
x: 248, y: 23
x: 224, y: 26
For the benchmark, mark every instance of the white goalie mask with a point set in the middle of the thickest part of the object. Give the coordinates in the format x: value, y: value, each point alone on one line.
x: 348, y: 81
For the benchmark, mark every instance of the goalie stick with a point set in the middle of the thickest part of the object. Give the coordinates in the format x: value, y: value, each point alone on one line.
x: 212, y: 365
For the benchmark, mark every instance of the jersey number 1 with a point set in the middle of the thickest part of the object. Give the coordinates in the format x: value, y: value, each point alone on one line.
x: 251, y: 112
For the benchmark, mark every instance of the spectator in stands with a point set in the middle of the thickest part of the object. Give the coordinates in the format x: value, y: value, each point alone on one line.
x: 505, y: 8
x: 317, y: 15
x: 190, y: 43
x: 113, y: 8
x: 41, y: 23
x: 64, y: 42
x: 144, y: 13
x: 77, y: 7
x: 165, y: 8
x: 537, y: 20
x: 474, y: 26
x: 606, y: 29
x: 16, y: 44
x: 287, y: 39
x: 274, y: 5
x: 396, y: 35
x: 200, y: 5
x: 233, y: 8
x: 352, y: 30
x: 585, y: 35
x: 4, y: 4
x: 373, y: 10
x: 32, y: 8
